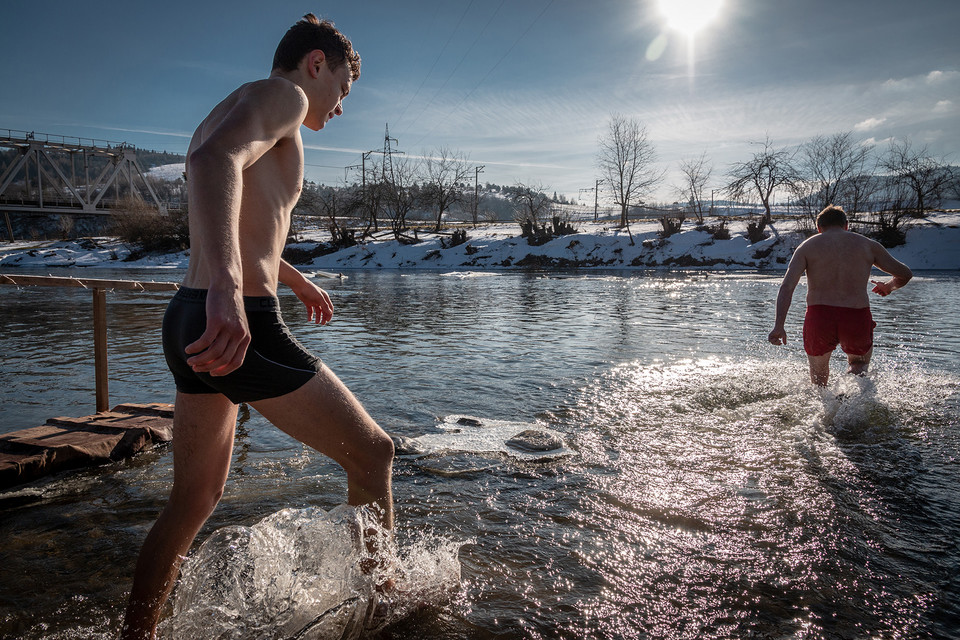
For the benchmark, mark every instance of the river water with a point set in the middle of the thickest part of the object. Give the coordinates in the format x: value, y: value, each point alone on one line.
x: 697, y: 485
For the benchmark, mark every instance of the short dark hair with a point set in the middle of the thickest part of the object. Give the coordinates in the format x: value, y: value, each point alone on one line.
x: 311, y: 33
x: 832, y: 216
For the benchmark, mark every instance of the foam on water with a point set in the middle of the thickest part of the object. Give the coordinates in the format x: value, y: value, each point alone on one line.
x: 469, y: 434
x: 306, y: 573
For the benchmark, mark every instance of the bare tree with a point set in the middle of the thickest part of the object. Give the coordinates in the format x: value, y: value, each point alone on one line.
x: 401, y: 192
x: 444, y: 175
x: 626, y: 162
x: 696, y: 175
x: 768, y: 170
x: 828, y: 171
x: 533, y: 204
x: 924, y: 177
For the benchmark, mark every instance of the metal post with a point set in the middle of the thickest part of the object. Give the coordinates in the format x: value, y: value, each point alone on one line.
x: 596, y: 201
x: 476, y: 192
x: 100, y: 347
x: 6, y: 215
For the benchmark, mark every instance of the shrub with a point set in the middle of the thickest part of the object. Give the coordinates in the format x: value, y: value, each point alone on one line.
x: 669, y: 226
x: 719, y: 231
x: 137, y: 223
x: 537, y: 235
x: 755, y: 231
x: 458, y: 237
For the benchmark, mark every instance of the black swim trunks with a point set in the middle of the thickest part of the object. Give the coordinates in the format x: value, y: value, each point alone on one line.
x: 275, y: 363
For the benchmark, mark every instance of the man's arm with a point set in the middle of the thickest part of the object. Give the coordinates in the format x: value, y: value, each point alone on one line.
x: 797, y: 267
x: 318, y: 303
x: 267, y: 111
x: 885, y: 262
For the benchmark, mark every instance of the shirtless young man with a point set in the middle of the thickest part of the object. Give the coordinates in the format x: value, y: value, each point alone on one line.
x: 223, y: 336
x: 837, y: 263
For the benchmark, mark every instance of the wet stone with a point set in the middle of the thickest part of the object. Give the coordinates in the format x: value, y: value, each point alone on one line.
x: 405, y: 446
x: 535, y: 440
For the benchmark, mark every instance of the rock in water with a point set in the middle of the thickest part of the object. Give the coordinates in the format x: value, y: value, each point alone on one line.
x: 405, y: 446
x: 535, y: 440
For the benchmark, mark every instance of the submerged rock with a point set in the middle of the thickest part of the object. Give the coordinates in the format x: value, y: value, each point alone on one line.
x: 535, y: 440
x: 405, y: 446
x: 469, y: 422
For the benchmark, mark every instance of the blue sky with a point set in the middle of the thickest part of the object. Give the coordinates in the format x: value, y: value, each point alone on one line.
x: 524, y: 87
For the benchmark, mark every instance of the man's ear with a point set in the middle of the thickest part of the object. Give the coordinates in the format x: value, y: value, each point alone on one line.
x: 315, y: 60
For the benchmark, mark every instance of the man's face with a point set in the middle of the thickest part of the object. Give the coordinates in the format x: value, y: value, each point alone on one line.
x: 331, y: 87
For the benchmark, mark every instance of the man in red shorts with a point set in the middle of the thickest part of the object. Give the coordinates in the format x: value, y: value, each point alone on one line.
x: 837, y: 263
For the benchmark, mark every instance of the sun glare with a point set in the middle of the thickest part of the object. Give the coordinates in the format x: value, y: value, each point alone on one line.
x: 689, y: 16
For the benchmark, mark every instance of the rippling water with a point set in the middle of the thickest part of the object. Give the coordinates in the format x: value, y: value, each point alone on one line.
x: 701, y: 488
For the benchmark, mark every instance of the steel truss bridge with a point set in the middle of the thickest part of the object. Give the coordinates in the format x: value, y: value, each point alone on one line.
x: 61, y: 174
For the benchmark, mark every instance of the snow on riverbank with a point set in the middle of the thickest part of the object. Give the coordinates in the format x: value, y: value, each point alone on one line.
x: 932, y: 243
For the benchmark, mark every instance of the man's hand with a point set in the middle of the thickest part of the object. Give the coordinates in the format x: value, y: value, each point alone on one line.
x: 883, y: 288
x: 318, y: 303
x: 778, y: 336
x: 223, y: 345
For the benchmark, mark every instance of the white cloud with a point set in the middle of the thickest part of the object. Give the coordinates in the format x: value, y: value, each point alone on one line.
x: 943, y: 106
x: 868, y: 124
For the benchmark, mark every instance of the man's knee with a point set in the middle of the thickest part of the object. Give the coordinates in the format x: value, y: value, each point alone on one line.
x: 197, y: 501
x: 382, y: 450
x: 373, y: 454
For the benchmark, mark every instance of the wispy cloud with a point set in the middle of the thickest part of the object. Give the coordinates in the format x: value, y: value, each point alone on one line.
x: 153, y: 132
x: 318, y: 147
x: 868, y: 124
x: 943, y: 106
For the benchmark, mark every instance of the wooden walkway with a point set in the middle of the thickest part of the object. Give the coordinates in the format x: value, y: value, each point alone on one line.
x: 69, y: 443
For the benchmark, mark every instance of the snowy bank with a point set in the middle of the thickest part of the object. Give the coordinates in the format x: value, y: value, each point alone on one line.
x: 932, y: 243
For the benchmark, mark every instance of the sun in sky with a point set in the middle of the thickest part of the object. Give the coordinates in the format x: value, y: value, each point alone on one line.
x: 689, y: 16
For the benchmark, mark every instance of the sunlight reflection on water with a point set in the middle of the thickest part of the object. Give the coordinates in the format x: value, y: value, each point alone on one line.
x: 705, y: 489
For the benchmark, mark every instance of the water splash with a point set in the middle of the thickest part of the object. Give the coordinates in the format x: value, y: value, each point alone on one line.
x: 306, y: 573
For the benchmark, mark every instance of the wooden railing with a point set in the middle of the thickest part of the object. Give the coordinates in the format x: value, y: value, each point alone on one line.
x: 99, y: 288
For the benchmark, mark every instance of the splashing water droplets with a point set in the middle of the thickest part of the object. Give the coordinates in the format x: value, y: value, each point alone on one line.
x: 307, y: 573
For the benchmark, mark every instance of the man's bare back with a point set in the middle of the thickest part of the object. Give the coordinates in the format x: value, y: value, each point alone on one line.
x: 837, y: 263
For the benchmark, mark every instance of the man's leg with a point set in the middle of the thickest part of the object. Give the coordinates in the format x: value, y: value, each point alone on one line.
x: 325, y: 415
x: 819, y: 369
x: 859, y: 364
x: 203, y: 430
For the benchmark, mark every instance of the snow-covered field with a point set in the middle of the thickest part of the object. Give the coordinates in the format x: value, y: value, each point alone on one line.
x: 932, y: 243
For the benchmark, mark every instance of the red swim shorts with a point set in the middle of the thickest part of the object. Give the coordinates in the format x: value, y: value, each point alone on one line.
x: 826, y: 326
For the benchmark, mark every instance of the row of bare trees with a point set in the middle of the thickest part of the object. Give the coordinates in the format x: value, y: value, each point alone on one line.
x: 390, y: 189
x: 394, y: 187
x: 901, y: 181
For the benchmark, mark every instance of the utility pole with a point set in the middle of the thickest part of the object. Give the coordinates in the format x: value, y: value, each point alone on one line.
x: 388, y: 152
x: 363, y: 183
x: 596, y: 199
x: 476, y: 192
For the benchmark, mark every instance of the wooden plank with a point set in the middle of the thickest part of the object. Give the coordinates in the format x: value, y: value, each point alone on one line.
x: 68, y: 443
x: 86, y: 283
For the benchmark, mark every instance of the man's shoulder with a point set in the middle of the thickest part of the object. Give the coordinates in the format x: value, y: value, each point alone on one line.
x: 276, y: 103
x: 273, y: 91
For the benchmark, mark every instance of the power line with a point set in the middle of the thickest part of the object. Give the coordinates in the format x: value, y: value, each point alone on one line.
x: 456, y: 68
x: 492, y: 69
x: 433, y: 66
